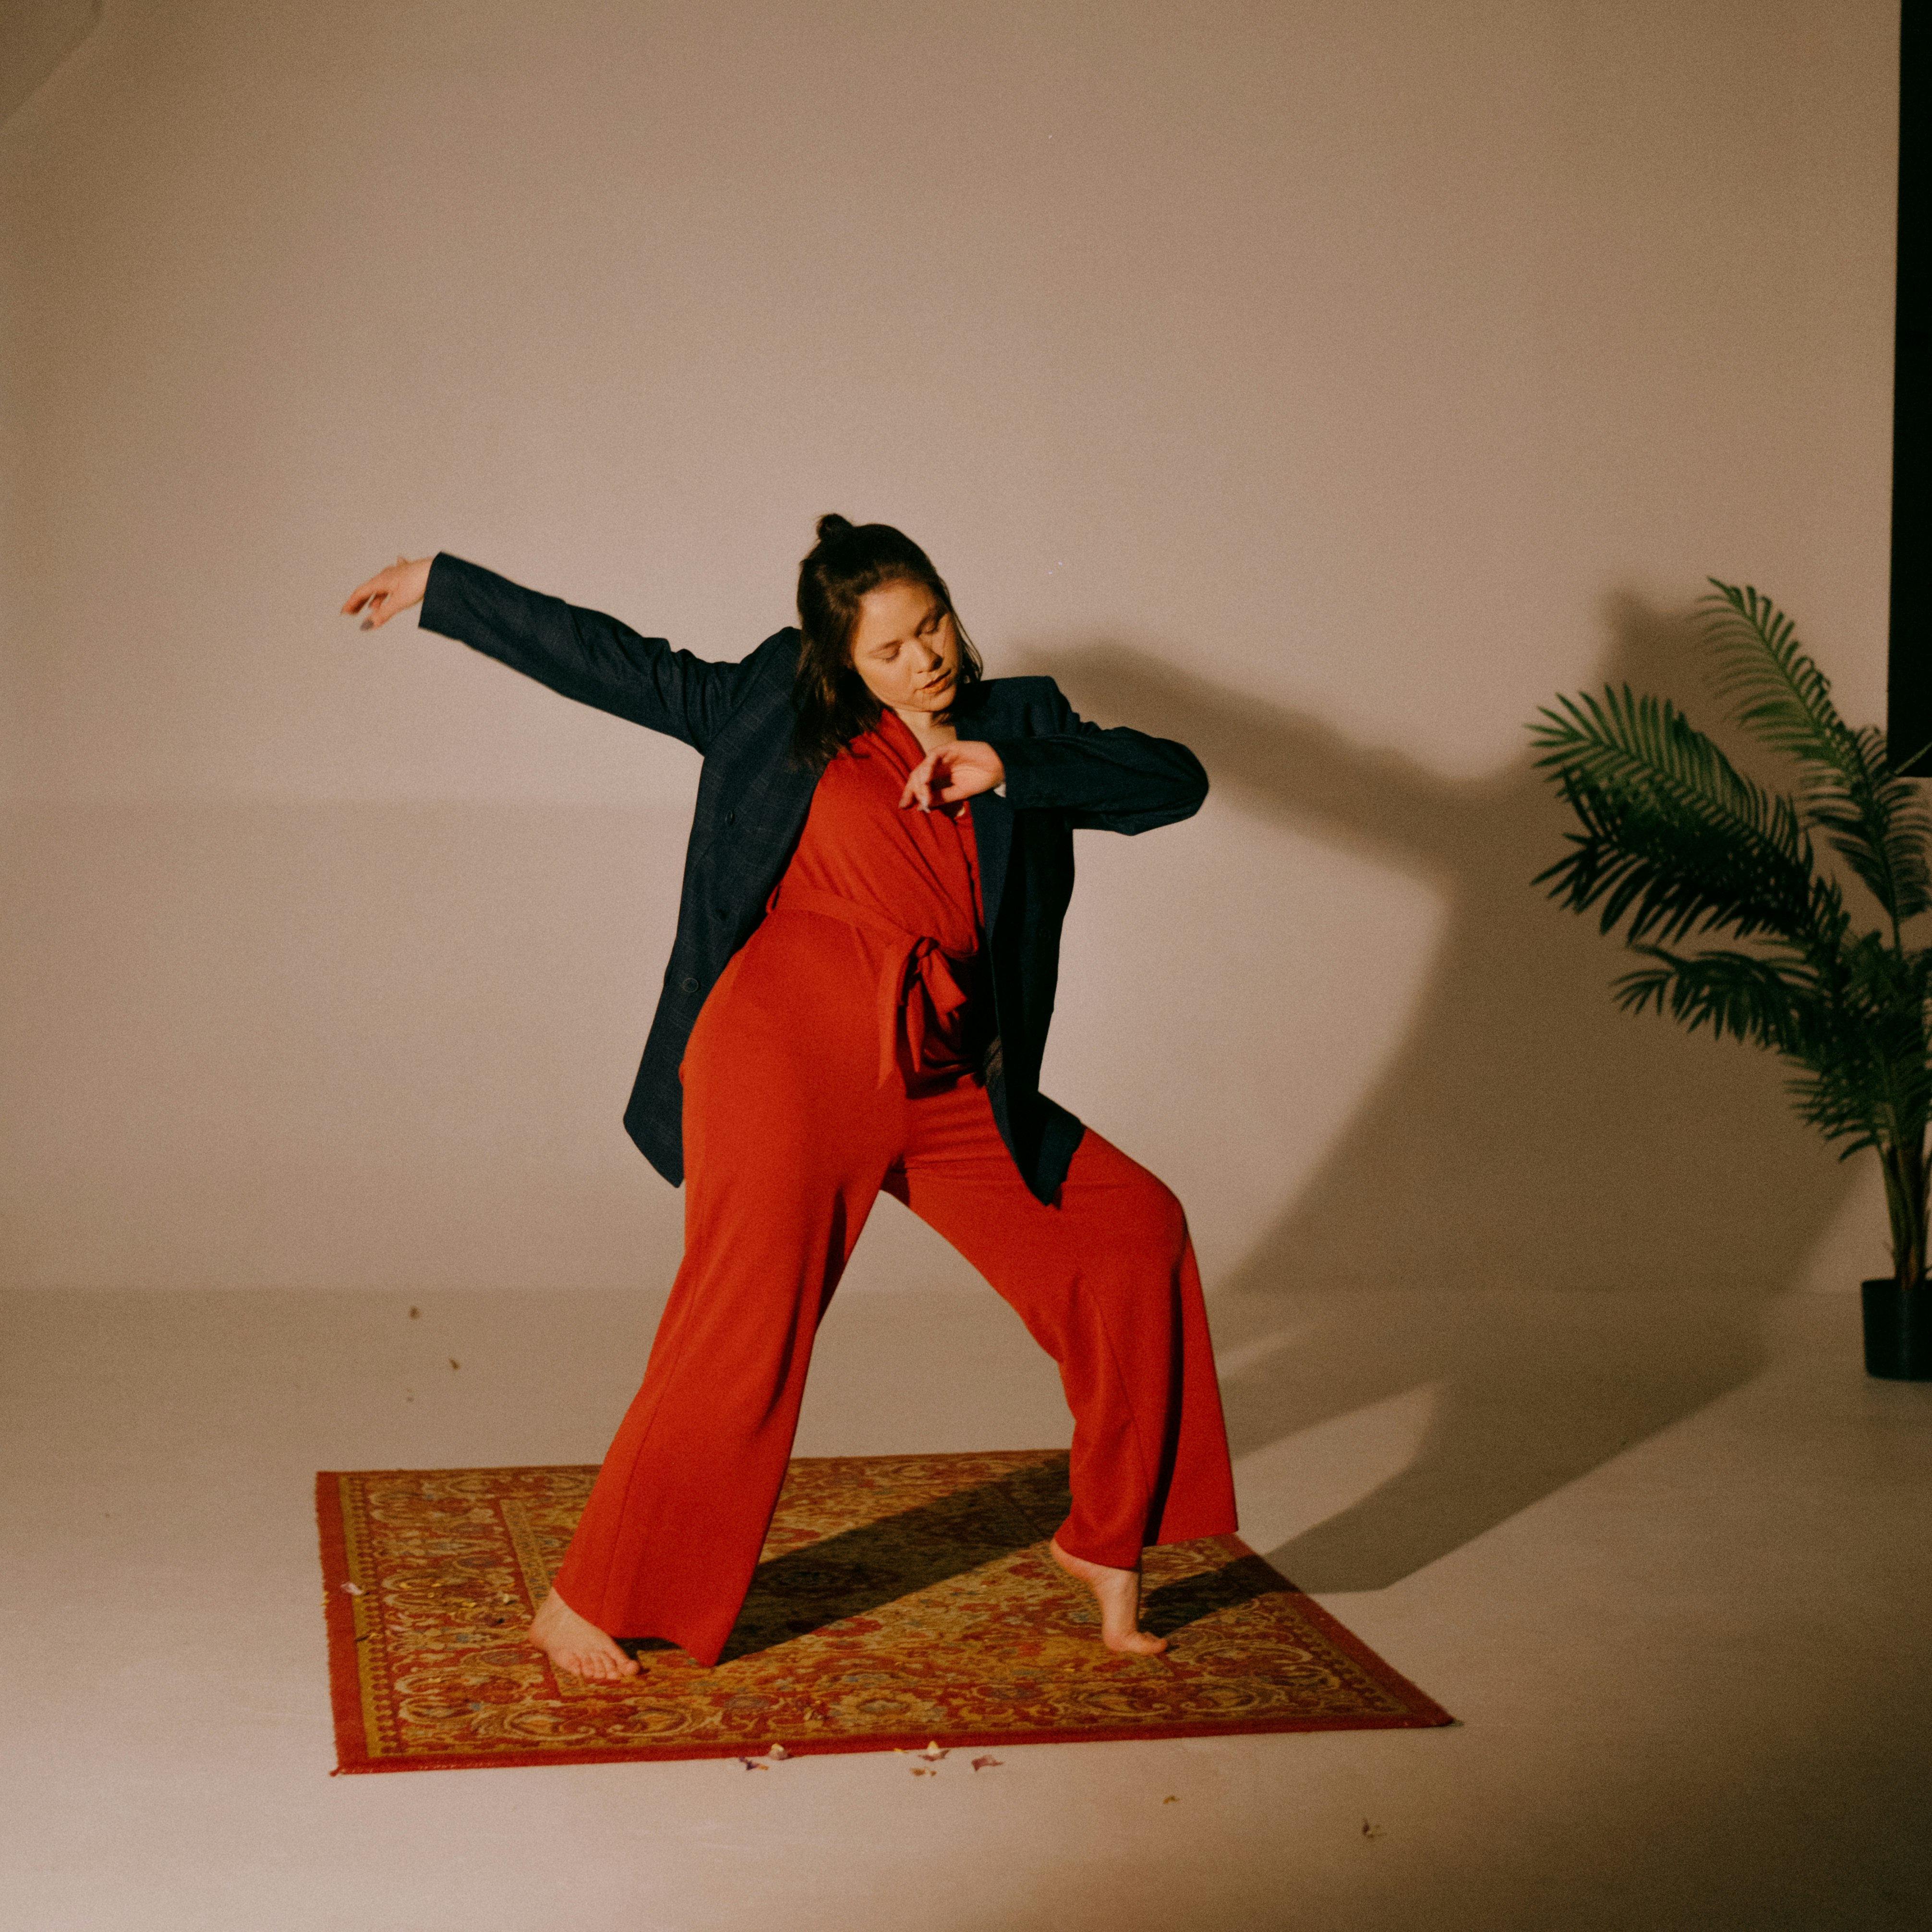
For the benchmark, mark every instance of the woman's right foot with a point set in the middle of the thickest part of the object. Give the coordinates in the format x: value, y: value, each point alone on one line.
x: 575, y: 1644
x: 1118, y: 1594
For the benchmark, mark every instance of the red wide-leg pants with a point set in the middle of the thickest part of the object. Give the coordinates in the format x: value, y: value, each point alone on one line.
x: 790, y: 1133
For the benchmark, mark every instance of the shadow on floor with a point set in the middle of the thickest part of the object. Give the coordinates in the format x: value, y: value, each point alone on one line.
x: 1528, y: 1142
x: 1173, y: 1607
x: 856, y: 1571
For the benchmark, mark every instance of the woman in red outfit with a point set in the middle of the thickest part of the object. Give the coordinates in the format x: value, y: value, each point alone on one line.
x: 840, y: 1052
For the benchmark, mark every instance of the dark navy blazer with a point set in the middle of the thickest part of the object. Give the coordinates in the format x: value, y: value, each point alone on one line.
x: 1062, y: 773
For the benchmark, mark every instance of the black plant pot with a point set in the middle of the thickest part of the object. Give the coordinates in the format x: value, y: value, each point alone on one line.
x: 1898, y: 1330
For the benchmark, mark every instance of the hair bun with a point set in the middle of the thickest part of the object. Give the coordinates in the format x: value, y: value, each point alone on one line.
x: 833, y: 526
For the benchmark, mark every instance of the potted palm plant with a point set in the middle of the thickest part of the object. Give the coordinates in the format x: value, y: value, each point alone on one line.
x: 1675, y: 842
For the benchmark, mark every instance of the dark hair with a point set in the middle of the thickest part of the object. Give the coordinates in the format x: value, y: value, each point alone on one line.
x: 848, y: 561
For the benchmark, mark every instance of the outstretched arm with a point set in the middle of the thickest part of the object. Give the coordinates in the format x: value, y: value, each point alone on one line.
x: 581, y: 653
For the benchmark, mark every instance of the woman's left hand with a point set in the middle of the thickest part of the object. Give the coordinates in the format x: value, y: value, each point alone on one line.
x: 954, y: 772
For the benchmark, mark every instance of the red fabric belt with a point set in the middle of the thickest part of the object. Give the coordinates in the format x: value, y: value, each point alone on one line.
x: 920, y: 979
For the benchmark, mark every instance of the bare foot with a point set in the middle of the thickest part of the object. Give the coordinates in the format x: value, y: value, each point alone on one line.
x: 575, y: 1644
x: 1118, y: 1594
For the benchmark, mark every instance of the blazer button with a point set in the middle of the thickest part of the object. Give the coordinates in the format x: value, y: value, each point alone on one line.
x: 687, y: 984
x: 731, y: 818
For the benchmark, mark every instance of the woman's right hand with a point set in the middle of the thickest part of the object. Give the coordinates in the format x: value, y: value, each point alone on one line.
x: 389, y: 591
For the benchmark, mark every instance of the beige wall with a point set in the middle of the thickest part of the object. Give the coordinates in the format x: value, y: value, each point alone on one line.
x: 1325, y: 384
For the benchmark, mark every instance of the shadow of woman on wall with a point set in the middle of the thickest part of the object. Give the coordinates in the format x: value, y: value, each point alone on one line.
x: 1602, y: 1208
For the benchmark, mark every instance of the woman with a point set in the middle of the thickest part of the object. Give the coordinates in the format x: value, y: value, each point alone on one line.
x: 858, y: 999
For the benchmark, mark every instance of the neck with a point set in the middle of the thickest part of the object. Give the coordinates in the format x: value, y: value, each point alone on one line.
x: 932, y: 730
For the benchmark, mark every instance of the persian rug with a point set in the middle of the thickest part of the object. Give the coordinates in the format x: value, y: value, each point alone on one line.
x: 899, y: 1600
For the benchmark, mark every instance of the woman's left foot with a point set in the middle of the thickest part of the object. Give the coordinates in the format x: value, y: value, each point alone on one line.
x: 1118, y: 1594
x: 575, y: 1644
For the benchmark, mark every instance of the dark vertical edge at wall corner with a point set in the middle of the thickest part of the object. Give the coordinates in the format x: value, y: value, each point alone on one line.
x: 1908, y: 681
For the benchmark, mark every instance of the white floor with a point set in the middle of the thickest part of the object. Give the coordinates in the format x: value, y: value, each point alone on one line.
x: 1690, y: 1660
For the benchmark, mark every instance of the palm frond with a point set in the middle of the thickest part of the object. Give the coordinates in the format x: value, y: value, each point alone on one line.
x: 1781, y: 694
x: 1674, y: 835
x: 1874, y: 817
x: 1766, y: 1001
x: 1852, y: 1027
x: 1865, y: 1074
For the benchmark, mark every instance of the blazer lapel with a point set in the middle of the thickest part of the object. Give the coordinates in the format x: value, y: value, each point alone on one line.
x: 992, y: 816
x: 993, y: 836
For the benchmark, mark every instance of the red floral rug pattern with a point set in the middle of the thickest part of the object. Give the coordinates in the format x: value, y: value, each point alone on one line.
x: 899, y: 1599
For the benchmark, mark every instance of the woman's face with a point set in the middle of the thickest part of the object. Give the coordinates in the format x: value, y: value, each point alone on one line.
x: 905, y: 649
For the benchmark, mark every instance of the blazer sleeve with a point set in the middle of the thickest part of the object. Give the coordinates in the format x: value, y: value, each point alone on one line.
x: 1108, y: 780
x: 581, y: 653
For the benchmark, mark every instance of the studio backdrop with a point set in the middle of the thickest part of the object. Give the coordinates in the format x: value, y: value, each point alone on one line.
x: 1325, y: 386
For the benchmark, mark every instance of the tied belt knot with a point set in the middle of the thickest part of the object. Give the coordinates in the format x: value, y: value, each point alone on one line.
x: 921, y: 977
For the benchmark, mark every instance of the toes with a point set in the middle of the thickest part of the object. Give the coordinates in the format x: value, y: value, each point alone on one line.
x: 605, y: 1664
x: 595, y: 1666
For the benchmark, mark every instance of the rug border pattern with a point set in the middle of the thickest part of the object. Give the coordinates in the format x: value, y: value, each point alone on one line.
x: 346, y: 1618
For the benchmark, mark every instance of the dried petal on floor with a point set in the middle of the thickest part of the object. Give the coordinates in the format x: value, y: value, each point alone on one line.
x: 986, y: 1763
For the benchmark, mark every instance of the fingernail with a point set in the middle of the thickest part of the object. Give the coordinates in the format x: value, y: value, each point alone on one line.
x: 366, y: 624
